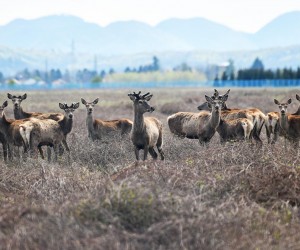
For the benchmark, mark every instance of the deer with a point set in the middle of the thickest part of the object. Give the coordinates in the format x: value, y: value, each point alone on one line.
x: 256, y: 116
x: 65, y: 123
x: 36, y: 132
x: 290, y: 124
x: 202, y: 125
x: 65, y: 120
x: 235, y: 129
x: 99, y: 129
x: 10, y: 133
x: 272, y: 124
x: 146, y: 132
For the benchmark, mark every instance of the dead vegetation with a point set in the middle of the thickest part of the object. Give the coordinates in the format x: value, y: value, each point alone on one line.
x: 236, y: 196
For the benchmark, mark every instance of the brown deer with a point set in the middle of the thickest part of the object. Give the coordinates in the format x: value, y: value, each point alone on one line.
x: 98, y: 129
x: 256, y: 116
x: 146, y: 132
x: 235, y: 129
x: 10, y: 129
x: 36, y: 133
x: 65, y: 121
x: 202, y: 125
x: 272, y: 124
x: 290, y: 124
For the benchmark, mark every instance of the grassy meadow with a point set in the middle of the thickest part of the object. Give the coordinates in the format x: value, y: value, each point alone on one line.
x: 236, y: 196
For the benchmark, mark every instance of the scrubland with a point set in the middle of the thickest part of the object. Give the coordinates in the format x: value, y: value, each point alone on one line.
x: 237, y: 196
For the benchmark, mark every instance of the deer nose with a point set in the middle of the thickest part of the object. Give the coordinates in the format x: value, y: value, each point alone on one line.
x: 70, y: 116
x: 152, y: 109
x: 90, y: 110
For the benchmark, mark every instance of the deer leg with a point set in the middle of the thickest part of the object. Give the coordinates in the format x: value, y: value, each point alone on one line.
x: 153, y: 153
x: 67, y: 148
x: 41, y: 152
x: 49, y: 153
x: 4, y: 146
x: 146, y: 150
x: 56, y: 152
x: 159, y: 148
x: 10, y: 151
x: 268, y: 133
x: 137, y: 155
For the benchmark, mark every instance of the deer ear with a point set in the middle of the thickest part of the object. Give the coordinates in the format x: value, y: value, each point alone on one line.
x: 96, y: 101
x: 132, y: 97
x: 62, y: 105
x: 147, y: 98
x: 276, y: 102
x: 298, y: 97
x: 9, y: 96
x: 208, y: 99
x: 83, y: 101
x: 224, y: 98
x: 289, y: 101
x: 5, y: 104
x: 75, y: 105
x: 23, y: 97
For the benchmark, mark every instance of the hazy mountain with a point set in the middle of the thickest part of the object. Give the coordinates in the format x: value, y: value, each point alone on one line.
x: 70, y: 42
x: 282, y: 31
x: 201, y: 33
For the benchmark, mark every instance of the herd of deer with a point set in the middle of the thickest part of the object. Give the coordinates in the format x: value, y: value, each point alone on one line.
x: 34, y: 130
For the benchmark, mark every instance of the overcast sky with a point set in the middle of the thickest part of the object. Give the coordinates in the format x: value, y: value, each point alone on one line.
x: 242, y: 15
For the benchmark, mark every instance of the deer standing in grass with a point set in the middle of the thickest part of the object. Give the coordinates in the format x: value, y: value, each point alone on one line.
x: 99, y: 129
x: 202, y: 125
x: 64, y: 120
x: 272, y: 124
x: 146, y: 132
x: 290, y: 124
x: 10, y: 129
x: 253, y: 114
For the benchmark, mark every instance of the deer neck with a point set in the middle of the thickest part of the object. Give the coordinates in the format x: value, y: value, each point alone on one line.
x: 138, y: 121
x: 90, y: 122
x: 4, y: 124
x: 283, y: 121
x: 215, y: 118
x: 20, y: 114
x: 66, y: 125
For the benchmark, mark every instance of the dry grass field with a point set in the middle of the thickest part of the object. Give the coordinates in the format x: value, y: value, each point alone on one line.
x: 236, y: 196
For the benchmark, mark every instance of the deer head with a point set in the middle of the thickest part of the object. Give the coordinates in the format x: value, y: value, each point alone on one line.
x: 89, y: 105
x: 69, y: 110
x: 2, y: 107
x: 216, y: 104
x: 283, y: 106
x: 140, y: 102
x: 215, y: 96
x: 17, y: 99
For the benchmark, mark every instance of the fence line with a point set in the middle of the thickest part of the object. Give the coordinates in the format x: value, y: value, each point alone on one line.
x: 183, y: 84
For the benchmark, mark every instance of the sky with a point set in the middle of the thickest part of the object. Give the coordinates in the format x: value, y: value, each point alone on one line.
x: 241, y: 15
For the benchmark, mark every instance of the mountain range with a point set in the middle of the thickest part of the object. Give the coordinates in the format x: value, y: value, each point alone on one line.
x: 69, y: 37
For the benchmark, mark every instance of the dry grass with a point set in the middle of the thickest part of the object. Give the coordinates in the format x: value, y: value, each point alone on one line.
x: 233, y: 197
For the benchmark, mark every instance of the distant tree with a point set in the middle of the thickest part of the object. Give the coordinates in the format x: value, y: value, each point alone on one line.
x: 102, y: 74
x: 182, y: 67
x: 2, y: 79
x: 127, y: 70
x: 257, y: 64
x: 111, y: 71
x: 224, y: 76
x: 155, y: 64
x: 232, y: 77
x: 298, y: 73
